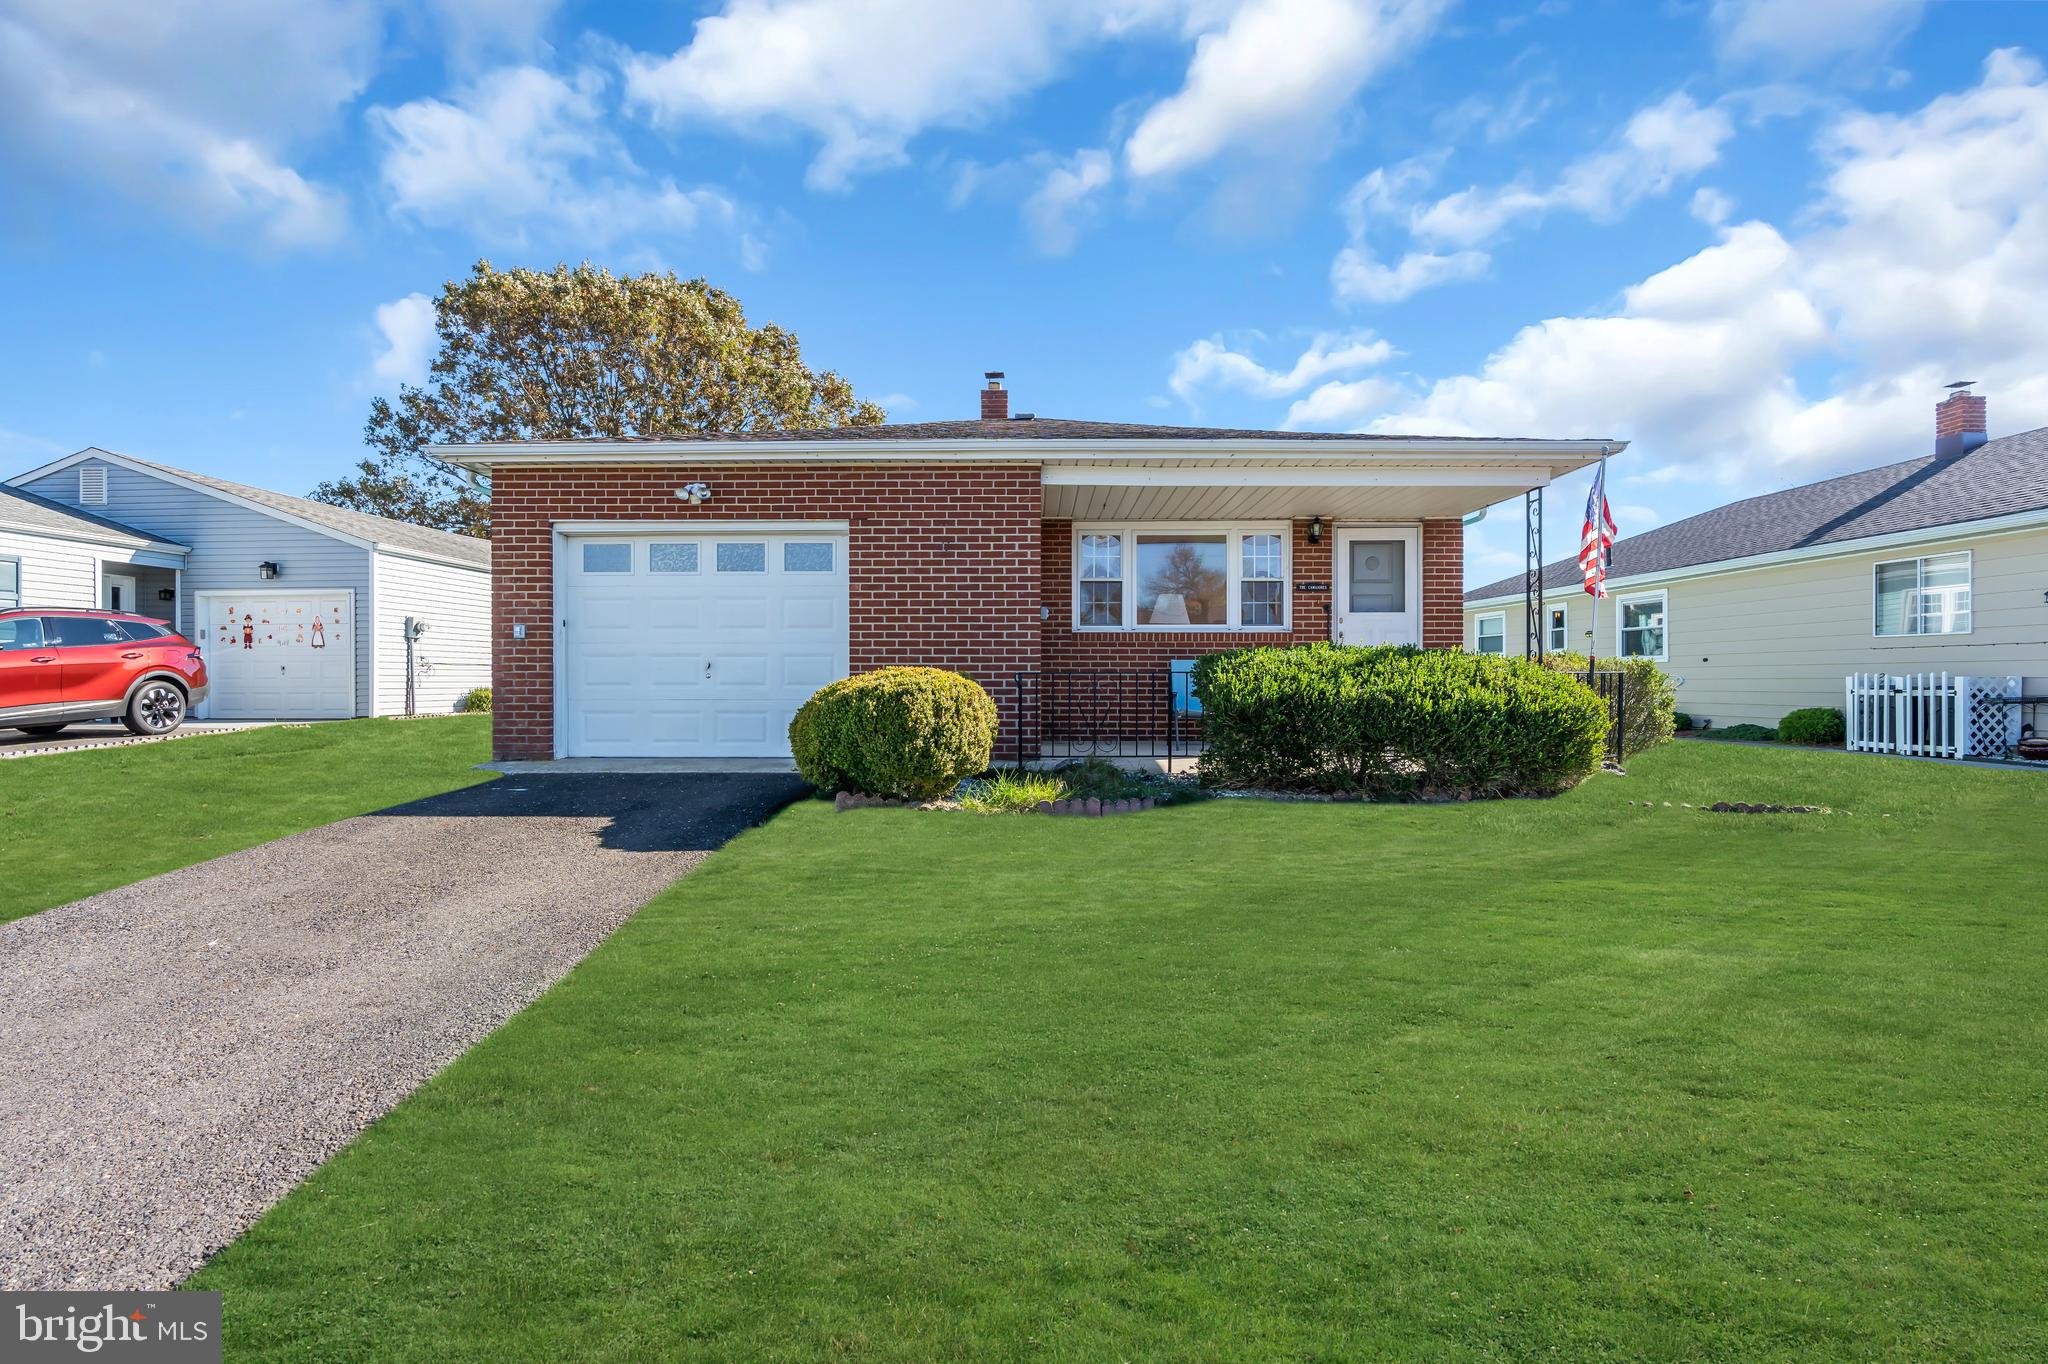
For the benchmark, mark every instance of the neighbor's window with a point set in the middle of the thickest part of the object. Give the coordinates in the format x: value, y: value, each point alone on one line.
x: 1102, y: 580
x: 1180, y: 579
x: 1929, y: 596
x: 1641, y: 627
x: 601, y: 556
x: 1554, y: 628
x: 1490, y: 634
x: 10, y: 584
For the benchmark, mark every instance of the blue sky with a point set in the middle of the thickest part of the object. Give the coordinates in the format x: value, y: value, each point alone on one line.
x: 1752, y: 237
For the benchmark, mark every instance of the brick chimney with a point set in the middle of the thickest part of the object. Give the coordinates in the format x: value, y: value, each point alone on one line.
x: 995, y: 399
x: 1959, y: 422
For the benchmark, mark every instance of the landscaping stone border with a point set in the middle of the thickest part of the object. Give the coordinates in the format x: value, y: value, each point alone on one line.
x: 853, y: 800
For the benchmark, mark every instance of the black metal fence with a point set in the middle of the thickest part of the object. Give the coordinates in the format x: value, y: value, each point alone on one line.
x: 1153, y: 713
x: 1103, y: 713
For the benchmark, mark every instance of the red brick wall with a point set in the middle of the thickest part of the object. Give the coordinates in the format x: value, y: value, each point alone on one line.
x: 1443, y: 584
x: 943, y: 562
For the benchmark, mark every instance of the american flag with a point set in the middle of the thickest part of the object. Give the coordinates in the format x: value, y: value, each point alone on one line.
x: 1596, y: 540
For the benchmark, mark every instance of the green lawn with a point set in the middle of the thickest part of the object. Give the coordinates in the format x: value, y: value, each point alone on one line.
x: 1568, y: 1079
x: 72, y: 824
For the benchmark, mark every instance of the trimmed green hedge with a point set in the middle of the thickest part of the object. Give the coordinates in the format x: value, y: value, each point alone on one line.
x: 898, y: 732
x: 1651, y: 708
x: 1813, y: 725
x: 1391, y: 721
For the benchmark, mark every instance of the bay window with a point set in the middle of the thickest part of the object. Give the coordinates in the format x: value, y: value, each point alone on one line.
x: 1180, y: 578
x: 1929, y: 596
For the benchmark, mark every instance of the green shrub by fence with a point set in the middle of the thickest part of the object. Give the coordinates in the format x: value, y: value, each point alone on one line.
x: 477, y: 700
x: 1813, y: 725
x: 1395, y: 721
x: 899, y: 732
x: 1650, y: 712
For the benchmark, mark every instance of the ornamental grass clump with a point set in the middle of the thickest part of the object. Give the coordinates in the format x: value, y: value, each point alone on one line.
x: 1395, y: 721
x: 914, y: 733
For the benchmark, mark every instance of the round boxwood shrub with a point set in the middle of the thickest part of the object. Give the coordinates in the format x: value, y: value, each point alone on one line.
x: 1813, y: 725
x: 898, y: 732
x: 1389, y: 721
x: 477, y: 700
x: 1681, y: 722
x: 1650, y: 710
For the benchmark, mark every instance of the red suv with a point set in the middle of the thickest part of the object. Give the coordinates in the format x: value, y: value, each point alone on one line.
x: 59, y: 666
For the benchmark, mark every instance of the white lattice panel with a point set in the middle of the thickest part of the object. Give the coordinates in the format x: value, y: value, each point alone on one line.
x: 1989, y: 727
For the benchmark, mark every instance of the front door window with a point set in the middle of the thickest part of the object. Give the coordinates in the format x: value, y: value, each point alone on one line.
x: 1379, y: 575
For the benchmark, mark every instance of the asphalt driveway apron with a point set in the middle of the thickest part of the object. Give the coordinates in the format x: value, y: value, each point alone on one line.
x: 175, y: 1055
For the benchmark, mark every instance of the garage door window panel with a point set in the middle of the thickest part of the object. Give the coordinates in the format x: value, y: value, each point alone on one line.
x: 602, y: 557
x: 679, y: 557
x: 800, y: 556
x: 742, y: 556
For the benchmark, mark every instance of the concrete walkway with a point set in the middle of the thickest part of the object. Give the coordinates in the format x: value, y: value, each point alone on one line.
x: 178, y: 1053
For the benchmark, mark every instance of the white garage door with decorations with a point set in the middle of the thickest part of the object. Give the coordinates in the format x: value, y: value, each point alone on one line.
x: 695, y: 646
x: 279, y: 655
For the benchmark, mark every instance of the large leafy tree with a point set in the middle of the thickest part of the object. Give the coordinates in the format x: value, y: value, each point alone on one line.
x: 527, y: 355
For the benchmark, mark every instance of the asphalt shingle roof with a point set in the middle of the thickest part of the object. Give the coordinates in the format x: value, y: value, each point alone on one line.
x: 28, y: 511
x: 381, y: 530
x: 1033, y: 428
x: 1998, y: 478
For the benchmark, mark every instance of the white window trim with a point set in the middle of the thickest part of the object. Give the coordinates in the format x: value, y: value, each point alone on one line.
x: 1663, y: 600
x: 1233, y: 533
x: 1477, y: 634
x: 20, y: 587
x: 1550, y: 641
x: 1969, y: 567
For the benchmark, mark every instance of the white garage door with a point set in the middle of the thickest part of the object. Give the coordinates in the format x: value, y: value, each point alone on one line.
x: 279, y: 655
x: 696, y: 646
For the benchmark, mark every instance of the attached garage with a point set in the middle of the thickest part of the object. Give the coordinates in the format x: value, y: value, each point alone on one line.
x: 279, y: 653
x: 696, y: 643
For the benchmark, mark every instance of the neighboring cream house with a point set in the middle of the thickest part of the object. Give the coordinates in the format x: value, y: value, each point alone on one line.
x: 1937, y: 564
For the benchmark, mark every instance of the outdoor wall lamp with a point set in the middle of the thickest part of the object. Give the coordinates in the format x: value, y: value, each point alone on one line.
x: 266, y: 569
x: 166, y: 594
x: 1315, y: 530
x: 694, y: 493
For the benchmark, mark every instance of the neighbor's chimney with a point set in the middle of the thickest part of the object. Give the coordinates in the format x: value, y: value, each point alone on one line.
x: 995, y: 399
x: 1959, y: 425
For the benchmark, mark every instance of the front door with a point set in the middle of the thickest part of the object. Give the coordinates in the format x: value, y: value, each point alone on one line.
x: 118, y: 590
x: 1378, y: 573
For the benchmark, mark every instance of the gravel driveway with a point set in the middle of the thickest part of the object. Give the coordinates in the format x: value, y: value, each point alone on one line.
x: 177, y: 1054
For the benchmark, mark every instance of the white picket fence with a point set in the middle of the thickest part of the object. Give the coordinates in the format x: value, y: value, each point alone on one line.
x: 1931, y: 715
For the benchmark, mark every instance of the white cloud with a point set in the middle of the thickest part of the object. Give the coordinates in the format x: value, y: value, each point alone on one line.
x: 407, y: 328
x: 193, y: 107
x: 1342, y: 404
x: 522, y: 149
x: 1277, y: 69
x: 1925, y: 259
x: 1052, y: 210
x: 863, y: 76
x: 1356, y: 277
x: 1711, y: 206
x: 1209, y: 363
x: 474, y: 30
x: 1662, y: 144
x: 866, y: 77
x: 1798, y: 34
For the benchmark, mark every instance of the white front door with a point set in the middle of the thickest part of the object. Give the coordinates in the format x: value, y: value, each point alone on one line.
x: 695, y: 645
x: 279, y: 655
x: 1379, y: 585
x: 117, y: 593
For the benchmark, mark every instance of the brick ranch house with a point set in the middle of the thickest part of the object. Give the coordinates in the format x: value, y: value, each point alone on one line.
x: 682, y: 597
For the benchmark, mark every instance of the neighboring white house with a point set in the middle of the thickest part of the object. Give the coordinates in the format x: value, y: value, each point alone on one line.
x: 1937, y: 564
x: 300, y: 607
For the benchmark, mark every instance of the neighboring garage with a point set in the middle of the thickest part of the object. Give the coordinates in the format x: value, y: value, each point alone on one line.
x: 300, y: 607
x: 698, y: 643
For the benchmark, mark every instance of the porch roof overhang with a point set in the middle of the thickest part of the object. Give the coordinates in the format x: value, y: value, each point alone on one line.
x: 1380, y: 489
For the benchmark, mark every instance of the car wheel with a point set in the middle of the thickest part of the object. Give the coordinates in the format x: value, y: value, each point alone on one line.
x: 158, y: 708
x: 39, y: 731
